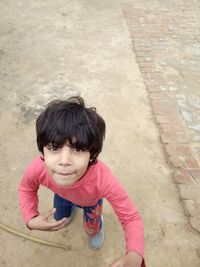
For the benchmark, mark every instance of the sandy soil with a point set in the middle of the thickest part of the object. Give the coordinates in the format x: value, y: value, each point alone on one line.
x: 57, y: 49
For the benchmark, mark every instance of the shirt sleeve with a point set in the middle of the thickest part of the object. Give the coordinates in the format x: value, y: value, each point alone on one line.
x: 127, y: 214
x: 28, y: 196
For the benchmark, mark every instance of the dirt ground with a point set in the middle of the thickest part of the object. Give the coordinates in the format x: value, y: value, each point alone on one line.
x: 58, y: 49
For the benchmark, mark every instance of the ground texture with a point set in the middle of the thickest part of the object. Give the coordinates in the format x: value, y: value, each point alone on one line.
x: 138, y: 62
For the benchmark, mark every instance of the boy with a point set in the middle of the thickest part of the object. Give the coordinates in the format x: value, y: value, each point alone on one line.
x: 70, y: 137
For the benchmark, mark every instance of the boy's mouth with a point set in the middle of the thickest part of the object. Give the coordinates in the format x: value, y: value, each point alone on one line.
x: 65, y: 173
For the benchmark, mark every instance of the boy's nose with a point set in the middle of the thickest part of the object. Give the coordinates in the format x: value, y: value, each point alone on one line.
x: 65, y: 156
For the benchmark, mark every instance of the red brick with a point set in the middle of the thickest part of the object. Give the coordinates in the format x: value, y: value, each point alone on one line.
x: 184, y: 162
x: 145, y: 76
x: 157, y: 75
x: 149, y: 69
x: 163, y: 108
x: 182, y: 176
x: 164, y: 27
x: 190, y: 191
x: 129, y: 22
x: 168, y: 118
x: 145, y: 64
x: 178, y: 149
x: 164, y: 102
x: 150, y: 81
x: 136, y: 33
x: 162, y: 96
x: 173, y: 128
x: 143, y: 53
x: 134, y: 13
x: 141, y: 41
x: 141, y: 48
x: 155, y: 88
x: 191, y: 162
x: 144, y: 59
x: 156, y: 34
x: 136, y: 26
x: 195, y: 174
x: 168, y: 138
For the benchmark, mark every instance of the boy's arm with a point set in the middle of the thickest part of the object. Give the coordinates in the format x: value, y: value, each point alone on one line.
x: 28, y: 198
x: 128, y: 217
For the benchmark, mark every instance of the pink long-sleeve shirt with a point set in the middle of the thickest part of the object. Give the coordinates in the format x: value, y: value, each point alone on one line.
x: 98, y: 182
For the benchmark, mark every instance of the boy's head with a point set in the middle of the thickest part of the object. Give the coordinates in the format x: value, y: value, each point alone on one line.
x: 69, y: 121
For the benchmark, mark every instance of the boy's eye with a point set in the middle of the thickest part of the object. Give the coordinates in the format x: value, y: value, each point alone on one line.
x: 76, y: 149
x: 52, y: 147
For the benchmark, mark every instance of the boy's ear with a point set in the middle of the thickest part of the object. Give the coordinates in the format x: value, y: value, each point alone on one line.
x: 91, y: 159
x: 41, y: 156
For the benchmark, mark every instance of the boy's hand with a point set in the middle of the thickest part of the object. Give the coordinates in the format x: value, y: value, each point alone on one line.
x: 131, y: 259
x: 41, y: 222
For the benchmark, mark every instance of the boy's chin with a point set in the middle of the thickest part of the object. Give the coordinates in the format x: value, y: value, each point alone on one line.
x: 63, y: 183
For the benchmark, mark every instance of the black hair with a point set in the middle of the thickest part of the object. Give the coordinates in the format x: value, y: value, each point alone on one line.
x: 71, y: 121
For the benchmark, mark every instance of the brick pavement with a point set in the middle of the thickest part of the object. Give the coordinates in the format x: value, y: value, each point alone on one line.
x: 166, y: 41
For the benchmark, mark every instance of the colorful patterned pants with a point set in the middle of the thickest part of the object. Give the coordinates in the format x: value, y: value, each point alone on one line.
x: 92, y: 221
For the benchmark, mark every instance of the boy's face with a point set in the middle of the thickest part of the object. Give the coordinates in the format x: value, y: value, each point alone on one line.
x: 65, y: 165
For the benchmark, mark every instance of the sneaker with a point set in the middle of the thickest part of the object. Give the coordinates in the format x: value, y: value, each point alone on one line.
x: 97, y: 241
x: 72, y: 215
